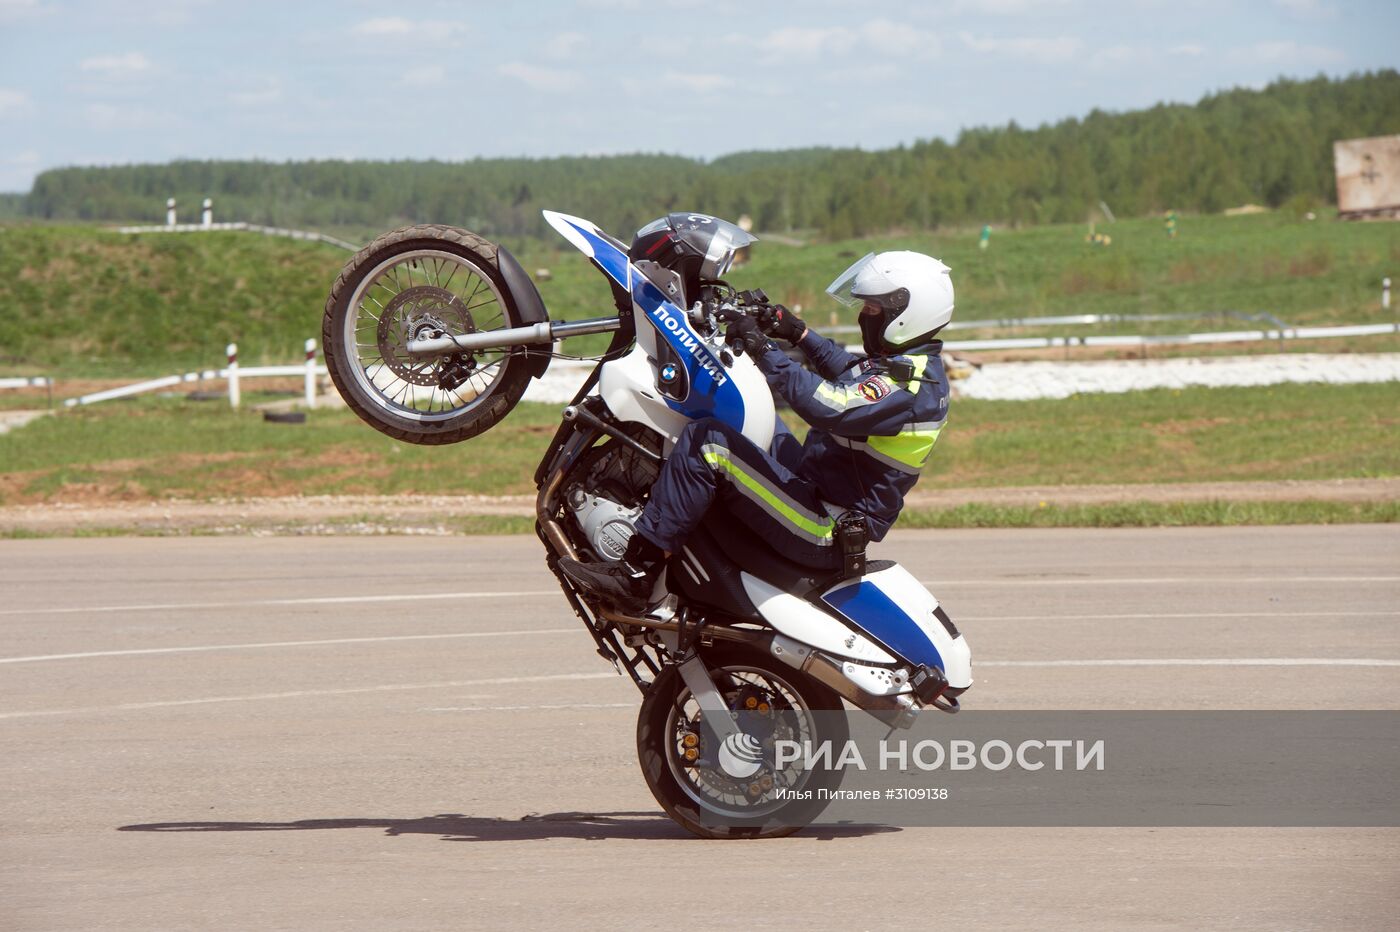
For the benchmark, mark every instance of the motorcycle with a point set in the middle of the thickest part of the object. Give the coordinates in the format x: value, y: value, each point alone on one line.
x: 431, y: 335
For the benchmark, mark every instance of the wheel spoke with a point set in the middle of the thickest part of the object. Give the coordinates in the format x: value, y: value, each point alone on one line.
x: 406, y: 294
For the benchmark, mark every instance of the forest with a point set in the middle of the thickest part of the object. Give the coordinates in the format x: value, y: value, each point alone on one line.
x: 1270, y: 147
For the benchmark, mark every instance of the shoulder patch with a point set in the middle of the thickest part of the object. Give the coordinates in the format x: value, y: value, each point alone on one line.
x: 876, y: 387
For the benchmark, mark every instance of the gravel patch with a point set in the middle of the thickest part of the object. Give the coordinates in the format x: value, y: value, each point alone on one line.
x: 1026, y: 381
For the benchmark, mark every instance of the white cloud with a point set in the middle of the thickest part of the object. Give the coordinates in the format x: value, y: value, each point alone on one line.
x: 1188, y: 49
x: 425, y: 31
x: 1046, y: 51
x: 698, y: 83
x: 424, y: 76
x: 1307, y: 7
x: 1287, y: 53
x: 13, y: 103
x: 12, y: 10
x: 263, y: 92
x: 805, y: 41
x: 898, y: 38
x: 1118, y: 55
x: 880, y: 36
x: 712, y: 8
x: 117, y: 66
x: 114, y: 117
x: 565, y: 44
x: 1010, y: 7
x: 17, y: 171
x: 541, y: 79
x: 384, y: 26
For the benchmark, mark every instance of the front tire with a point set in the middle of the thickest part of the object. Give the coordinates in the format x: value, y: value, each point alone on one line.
x: 425, y: 280
x: 708, y: 801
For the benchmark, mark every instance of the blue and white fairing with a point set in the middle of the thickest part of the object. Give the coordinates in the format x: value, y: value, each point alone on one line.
x: 674, y: 374
x: 897, y: 611
x: 899, y: 618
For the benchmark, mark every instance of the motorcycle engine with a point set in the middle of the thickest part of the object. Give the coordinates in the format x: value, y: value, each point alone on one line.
x: 610, y: 493
x: 605, y: 524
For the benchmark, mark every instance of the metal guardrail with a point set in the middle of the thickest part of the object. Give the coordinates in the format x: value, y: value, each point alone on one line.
x: 309, y: 235
x: 1229, y: 336
x: 1074, y: 320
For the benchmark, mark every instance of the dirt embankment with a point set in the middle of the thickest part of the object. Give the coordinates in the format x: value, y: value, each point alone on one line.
x: 434, y: 514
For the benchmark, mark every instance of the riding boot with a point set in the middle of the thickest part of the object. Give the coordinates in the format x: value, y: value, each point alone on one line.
x: 627, y: 583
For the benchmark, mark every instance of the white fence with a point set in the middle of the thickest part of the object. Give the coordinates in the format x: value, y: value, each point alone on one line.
x: 36, y: 382
x: 233, y: 372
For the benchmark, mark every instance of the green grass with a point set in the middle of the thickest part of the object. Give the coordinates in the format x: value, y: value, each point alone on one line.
x: 169, y: 447
x: 1301, y: 431
x: 1304, y: 272
x: 79, y: 301
x: 149, y: 448
x: 83, y: 301
x: 1152, y: 514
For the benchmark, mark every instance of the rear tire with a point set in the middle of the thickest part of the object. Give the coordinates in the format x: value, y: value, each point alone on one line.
x: 426, y: 278
x: 694, y: 797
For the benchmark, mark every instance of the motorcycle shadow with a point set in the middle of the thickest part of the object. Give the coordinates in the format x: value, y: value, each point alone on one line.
x: 587, y: 826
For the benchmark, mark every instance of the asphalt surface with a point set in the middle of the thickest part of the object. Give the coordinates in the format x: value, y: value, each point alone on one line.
x: 400, y: 733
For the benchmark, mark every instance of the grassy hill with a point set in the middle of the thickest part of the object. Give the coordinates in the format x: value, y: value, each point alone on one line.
x: 86, y: 301
x: 79, y: 300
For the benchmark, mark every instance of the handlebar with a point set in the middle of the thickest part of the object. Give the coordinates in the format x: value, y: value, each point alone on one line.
x: 753, y: 304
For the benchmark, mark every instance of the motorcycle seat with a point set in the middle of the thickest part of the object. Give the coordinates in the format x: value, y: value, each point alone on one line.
x: 753, y: 555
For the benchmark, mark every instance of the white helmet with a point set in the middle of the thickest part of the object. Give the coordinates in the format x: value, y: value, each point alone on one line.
x: 914, y: 292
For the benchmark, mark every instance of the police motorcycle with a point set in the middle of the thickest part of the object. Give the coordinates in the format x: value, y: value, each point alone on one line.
x: 431, y: 335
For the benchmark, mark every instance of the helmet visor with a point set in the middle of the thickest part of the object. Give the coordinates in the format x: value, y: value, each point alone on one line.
x: 841, y: 288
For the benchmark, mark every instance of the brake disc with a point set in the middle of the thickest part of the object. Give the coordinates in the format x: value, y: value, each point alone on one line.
x: 420, y: 313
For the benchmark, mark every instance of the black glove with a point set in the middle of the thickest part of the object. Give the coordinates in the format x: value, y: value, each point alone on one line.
x: 745, y: 332
x: 783, y: 324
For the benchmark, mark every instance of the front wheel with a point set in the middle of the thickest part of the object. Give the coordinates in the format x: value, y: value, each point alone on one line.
x: 703, y: 784
x: 421, y: 282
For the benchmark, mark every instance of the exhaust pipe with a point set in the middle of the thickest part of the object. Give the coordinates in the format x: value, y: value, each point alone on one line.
x: 895, y: 711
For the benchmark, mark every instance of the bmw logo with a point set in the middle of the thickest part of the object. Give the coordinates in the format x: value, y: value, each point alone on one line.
x: 668, y: 373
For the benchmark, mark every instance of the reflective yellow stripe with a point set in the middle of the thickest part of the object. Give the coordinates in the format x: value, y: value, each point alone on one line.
x: 911, y: 447
x: 819, y: 530
x: 840, y: 398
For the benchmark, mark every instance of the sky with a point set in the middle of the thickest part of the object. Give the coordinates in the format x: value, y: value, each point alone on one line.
x: 101, y: 82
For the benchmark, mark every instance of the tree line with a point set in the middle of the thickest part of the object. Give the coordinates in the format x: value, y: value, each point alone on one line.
x: 1239, y: 146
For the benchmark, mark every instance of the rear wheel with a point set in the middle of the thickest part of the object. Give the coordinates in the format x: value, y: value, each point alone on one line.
x: 415, y: 283
x: 702, y: 786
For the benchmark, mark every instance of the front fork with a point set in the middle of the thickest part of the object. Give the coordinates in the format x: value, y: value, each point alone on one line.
x: 575, y: 437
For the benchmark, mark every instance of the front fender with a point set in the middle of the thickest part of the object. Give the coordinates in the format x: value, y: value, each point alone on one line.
x: 528, y: 304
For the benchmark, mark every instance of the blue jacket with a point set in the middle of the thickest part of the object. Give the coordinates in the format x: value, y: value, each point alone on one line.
x: 871, y: 432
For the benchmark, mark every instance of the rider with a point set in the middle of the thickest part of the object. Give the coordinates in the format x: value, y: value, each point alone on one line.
x: 874, y: 420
